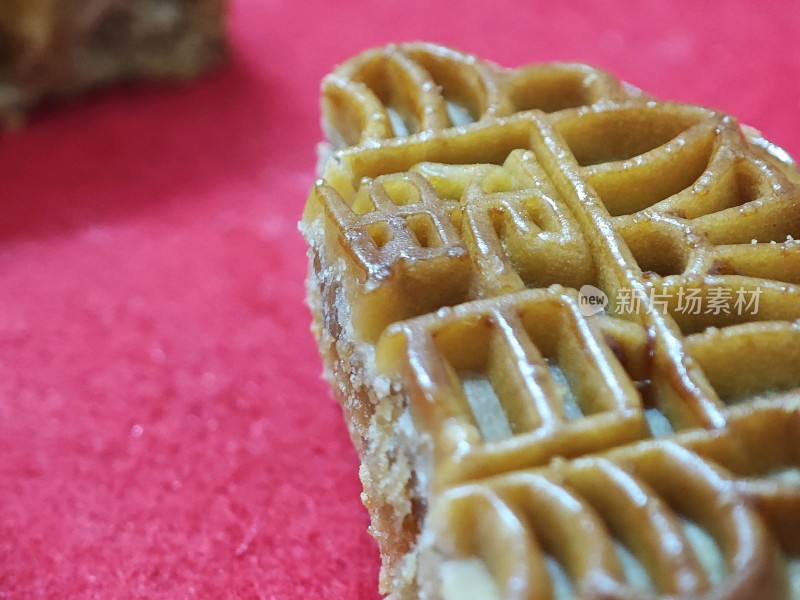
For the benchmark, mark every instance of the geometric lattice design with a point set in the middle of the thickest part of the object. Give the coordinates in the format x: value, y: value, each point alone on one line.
x: 466, y: 208
x: 501, y: 385
x: 653, y: 520
x: 444, y: 234
x: 398, y: 90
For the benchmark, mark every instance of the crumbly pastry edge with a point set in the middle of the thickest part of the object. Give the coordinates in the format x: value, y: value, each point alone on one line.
x: 396, y: 460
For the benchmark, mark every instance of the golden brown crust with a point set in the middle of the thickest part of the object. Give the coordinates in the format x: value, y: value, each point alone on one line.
x: 503, y: 428
x: 407, y: 88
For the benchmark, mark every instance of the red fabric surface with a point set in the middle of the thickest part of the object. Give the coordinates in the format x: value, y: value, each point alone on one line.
x: 164, y: 432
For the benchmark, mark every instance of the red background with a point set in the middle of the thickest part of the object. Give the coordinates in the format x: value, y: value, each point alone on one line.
x: 164, y: 432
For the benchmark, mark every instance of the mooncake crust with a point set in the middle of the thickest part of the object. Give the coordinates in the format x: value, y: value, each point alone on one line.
x: 515, y: 442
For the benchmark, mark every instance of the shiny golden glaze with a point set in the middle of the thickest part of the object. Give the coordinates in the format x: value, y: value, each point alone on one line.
x: 503, y: 220
x: 418, y: 85
x: 648, y: 498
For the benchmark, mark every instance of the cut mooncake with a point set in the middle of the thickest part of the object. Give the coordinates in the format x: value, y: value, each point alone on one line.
x: 563, y: 321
